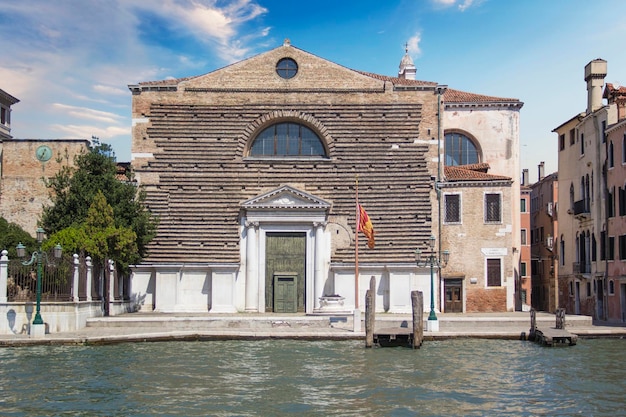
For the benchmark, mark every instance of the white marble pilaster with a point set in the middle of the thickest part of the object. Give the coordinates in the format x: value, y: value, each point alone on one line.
x: 318, y: 276
x: 252, y: 267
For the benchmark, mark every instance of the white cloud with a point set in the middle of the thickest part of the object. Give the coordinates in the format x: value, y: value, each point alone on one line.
x: 462, y: 5
x: 71, y: 131
x: 87, y: 113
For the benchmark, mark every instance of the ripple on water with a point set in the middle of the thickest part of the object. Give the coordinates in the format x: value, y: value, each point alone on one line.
x: 276, y: 377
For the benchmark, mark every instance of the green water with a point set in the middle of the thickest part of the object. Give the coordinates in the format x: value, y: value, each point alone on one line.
x: 463, y: 377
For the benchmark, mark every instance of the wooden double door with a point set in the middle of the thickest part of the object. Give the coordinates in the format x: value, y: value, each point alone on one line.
x: 454, y: 295
x: 285, y: 266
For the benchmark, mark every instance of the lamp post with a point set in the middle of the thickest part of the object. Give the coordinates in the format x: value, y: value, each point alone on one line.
x: 433, y: 261
x: 38, y: 256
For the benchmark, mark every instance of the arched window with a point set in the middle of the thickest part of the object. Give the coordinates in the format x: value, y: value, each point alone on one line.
x: 287, y: 139
x: 460, y: 150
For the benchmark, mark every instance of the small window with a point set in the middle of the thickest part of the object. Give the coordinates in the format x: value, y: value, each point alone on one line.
x: 494, y: 272
x: 561, y: 142
x: 611, y: 287
x: 622, y: 247
x: 589, y: 293
x: 523, y: 205
x: 287, y: 68
x: 523, y: 237
x: 582, y: 143
x: 522, y: 269
x: 611, y: 153
x: 492, y: 208
x: 452, y: 204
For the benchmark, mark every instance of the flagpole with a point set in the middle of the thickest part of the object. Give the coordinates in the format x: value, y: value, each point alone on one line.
x: 356, y: 248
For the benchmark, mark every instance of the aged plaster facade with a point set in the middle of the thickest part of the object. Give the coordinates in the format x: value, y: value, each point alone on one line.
x: 544, y: 240
x: 586, y: 244
x: 492, y: 125
x: 616, y: 224
x: 247, y: 215
x: 523, y: 287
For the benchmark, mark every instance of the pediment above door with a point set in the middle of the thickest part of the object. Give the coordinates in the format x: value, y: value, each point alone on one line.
x: 286, y: 201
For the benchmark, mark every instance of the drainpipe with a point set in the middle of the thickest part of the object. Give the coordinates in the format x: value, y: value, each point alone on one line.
x: 440, y: 90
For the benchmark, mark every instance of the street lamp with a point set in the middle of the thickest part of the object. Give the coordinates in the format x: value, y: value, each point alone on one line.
x: 38, y: 256
x: 433, y: 261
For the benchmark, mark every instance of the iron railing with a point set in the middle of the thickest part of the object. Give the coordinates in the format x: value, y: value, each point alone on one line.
x: 56, y: 281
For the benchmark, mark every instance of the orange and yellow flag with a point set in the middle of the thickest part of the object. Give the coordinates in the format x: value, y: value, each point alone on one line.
x: 365, y: 226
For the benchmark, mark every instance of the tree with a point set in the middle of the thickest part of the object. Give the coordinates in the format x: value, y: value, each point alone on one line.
x: 11, y: 234
x: 73, y: 191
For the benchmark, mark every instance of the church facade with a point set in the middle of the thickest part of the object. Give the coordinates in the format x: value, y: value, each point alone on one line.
x: 254, y: 171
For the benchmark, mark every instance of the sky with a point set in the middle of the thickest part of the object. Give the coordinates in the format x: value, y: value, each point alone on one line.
x: 70, y: 62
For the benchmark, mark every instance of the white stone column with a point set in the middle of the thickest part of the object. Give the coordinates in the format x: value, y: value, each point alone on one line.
x: 88, y: 280
x: 111, y: 281
x: 318, y: 274
x: 4, y: 274
x: 75, y: 282
x: 252, y: 267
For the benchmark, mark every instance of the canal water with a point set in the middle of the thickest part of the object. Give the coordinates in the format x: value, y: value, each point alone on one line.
x: 462, y: 377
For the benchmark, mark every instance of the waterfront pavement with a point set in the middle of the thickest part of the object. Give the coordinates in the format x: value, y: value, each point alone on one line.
x: 143, y: 327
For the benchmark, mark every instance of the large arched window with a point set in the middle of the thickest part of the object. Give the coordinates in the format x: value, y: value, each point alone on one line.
x: 287, y: 139
x: 460, y: 150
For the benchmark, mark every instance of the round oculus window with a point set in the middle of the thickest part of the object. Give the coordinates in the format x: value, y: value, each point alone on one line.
x: 286, y: 68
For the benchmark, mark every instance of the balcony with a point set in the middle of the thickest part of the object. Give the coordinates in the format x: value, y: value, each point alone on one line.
x: 582, y: 209
x: 581, y: 268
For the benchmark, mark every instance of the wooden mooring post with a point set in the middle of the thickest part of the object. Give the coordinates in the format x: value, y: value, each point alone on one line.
x: 553, y: 335
x: 417, y: 303
x: 370, y: 313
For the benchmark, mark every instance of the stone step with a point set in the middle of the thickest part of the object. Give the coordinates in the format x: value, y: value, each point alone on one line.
x: 447, y: 322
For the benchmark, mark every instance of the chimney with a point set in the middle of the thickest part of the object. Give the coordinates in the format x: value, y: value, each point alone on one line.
x: 541, y: 166
x: 525, y: 176
x: 595, y: 71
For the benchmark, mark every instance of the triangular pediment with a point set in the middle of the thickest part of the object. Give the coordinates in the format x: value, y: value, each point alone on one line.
x: 286, y: 198
x: 259, y: 73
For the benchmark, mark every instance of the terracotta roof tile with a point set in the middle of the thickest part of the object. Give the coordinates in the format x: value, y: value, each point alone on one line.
x: 457, y: 96
x: 397, y: 80
x: 463, y: 173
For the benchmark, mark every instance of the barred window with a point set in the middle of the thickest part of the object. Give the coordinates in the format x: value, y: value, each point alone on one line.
x: 452, y: 204
x: 492, y: 208
x: 494, y: 272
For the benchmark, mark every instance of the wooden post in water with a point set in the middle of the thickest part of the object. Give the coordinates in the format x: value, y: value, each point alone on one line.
x: 533, y: 325
x: 369, y: 320
x: 417, y: 302
x: 370, y: 313
x: 560, y: 318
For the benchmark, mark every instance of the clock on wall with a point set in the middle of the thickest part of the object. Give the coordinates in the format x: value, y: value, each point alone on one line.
x: 44, y: 153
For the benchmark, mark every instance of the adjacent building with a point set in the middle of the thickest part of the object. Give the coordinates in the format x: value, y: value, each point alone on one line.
x: 523, y: 288
x: 588, y: 246
x: 544, y: 242
x: 254, y: 171
x: 615, y: 289
x: 25, y: 164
